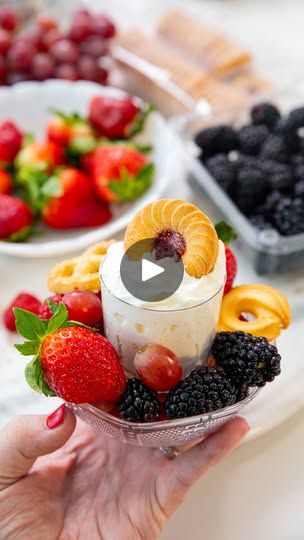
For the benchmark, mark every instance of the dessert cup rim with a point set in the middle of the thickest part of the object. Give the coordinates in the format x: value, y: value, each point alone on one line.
x: 144, y: 308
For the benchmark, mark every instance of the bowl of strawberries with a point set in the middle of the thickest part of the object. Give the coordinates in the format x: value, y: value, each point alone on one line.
x: 76, y: 162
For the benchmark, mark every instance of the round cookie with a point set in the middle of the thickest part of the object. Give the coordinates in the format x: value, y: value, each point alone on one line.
x: 188, y: 228
x: 268, y: 305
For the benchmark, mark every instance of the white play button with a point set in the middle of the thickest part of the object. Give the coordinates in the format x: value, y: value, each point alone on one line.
x: 150, y: 270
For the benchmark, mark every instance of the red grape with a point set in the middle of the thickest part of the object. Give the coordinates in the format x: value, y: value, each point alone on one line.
x: 66, y: 71
x: 158, y: 367
x: 50, y: 38
x: 8, y: 18
x: 102, y: 76
x: 17, y: 76
x: 46, y: 23
x: 81, y: 27
x: 5, y: 41
x: 104, y: 27
x: 20, y: 56
x: 64, y: 51
x: 88, y: 68
x: 94, y: 46
x: 83, y: 307
x: 33, y: 38
x: 2, y: 69
x: 43, y: 66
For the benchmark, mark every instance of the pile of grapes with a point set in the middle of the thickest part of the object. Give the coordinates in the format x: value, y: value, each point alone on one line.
x: 46, y: 52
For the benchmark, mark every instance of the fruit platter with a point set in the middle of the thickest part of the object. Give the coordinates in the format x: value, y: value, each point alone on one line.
x: 78, y: 171
x: 153, y: 373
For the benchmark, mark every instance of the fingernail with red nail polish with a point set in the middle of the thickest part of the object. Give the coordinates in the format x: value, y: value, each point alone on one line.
x: 55, y: 419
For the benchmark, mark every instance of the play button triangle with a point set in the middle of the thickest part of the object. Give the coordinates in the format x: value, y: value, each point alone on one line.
x: 150, y: 270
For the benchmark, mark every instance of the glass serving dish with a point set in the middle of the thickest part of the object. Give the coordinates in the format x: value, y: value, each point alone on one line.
x: 162, y: 434
x: 269, y: 251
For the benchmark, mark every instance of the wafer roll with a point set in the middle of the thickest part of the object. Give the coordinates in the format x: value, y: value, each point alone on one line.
x: 207, y: 47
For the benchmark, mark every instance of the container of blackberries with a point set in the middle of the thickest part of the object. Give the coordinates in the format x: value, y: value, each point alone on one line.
x: 250, y: 163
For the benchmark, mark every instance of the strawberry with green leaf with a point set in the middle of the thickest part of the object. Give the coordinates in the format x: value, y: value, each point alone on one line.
x: 73, y: 132
x: 16, y: 219
x: 120, y: 173
x: 70, y: 361
x: 227, y: 234
x: 71, y: 203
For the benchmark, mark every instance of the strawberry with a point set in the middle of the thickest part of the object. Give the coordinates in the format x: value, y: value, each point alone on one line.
x: 16, y: 218
x: 113, y: 117
x: 227, y: 234
x: 74, y: 204
x: 6, y: 182
x: 231, y: 269
x: 120, y: 173
x: 73, y: 131
x: 25, y: 301
x: 41, y: 155
x: 70, y: 361
x: 10, y: 141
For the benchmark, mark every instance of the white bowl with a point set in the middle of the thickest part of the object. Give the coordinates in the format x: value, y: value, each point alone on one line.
x: 29, y: 104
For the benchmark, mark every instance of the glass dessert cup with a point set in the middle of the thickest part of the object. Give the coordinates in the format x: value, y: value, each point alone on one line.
x: 161, y: 434
x: 187, y: 331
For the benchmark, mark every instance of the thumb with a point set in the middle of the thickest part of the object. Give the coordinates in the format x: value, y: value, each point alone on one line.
x: 26, y: 438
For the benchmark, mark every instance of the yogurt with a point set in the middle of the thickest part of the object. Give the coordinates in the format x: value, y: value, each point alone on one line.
x: 185, y: 322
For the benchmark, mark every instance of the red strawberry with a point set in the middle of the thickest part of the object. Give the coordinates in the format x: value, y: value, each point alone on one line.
x: 47, y: 154
x: 231, y: 269
x: 58, y: 131
x: 120, y: 173
x: 16, y: 218
x: 76, y: 206
x: 44, y: 311
x: 10, y: 141
x: 6, y: 182
x: 67, y: 130
x: 113, y: 117
x: 25, y: 301
x: 71, y: 361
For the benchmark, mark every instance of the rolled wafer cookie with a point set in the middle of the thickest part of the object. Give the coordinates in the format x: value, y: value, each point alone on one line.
x: 204, y: 45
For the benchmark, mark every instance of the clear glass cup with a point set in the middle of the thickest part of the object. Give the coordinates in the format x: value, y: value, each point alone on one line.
x: 188, y: 332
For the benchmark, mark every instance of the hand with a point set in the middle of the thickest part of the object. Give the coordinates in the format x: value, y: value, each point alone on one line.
x: 90, y: 486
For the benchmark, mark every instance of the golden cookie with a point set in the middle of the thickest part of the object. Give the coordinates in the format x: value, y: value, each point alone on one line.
x: 166, y: 217
x: 269, y: 307
x: 80, y: 273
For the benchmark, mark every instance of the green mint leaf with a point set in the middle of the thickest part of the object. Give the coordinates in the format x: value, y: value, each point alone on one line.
x: 225, y: 232
x: 59, y: 319
x: 29, y: 325
x: 82, y: 145
x: 34, y: 377
x: 130, y: 188
x: 29, y: 348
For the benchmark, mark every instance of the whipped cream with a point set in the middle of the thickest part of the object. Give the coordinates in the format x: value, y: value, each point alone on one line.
x: 186, y: 322
x: 191, y: 292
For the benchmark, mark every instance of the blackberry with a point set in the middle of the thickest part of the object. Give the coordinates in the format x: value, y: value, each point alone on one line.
x: 223, y: 171
x: 267, y: 209
x: 205, y: 390
x: 260, y: 222
x: 246, y: 359
x: 252, y: 137
x: 293, y: 123
x: 266, y: 114
x: 139, y: 403
x: 274, y: 148
x: 298, y: 172
x: 279, y: 127
x: 282, y: 178
x: 299, y: 189
x: 289, y: 216
x: 216, y: 139
x: 251, y: 190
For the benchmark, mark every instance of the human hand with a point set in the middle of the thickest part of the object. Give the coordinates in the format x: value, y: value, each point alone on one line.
x: 89, y: 486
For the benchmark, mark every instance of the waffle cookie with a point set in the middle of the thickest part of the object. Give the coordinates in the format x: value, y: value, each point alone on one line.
x: 204, y: 45
x: 194, y: 233
x: 80, y: 273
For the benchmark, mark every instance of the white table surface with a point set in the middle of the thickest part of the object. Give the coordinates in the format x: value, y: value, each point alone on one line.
x: 256, y: 493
